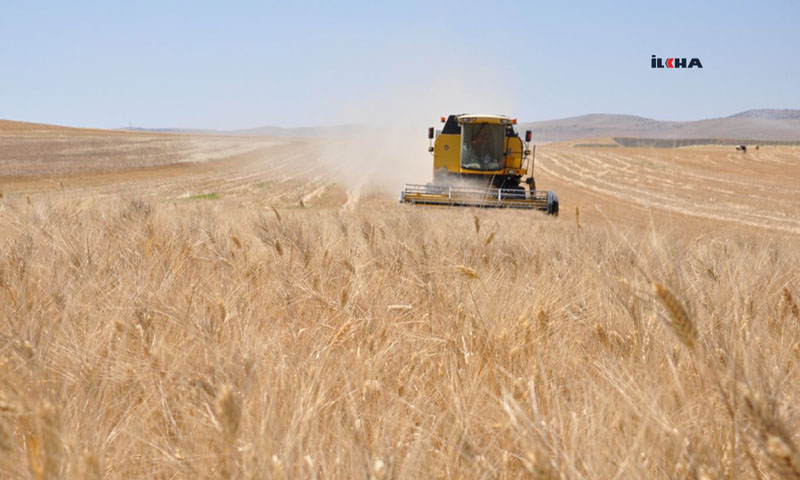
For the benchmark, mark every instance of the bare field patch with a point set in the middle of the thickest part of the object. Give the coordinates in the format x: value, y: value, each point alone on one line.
x: 31, y: 150
x: 707, y: 184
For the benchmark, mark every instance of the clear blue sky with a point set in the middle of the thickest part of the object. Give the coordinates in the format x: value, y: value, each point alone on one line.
x: 240, y: 64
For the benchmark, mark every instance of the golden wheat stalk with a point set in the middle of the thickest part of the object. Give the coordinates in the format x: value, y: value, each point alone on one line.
x: 45, y: 449
x: 91, y: 466
x: 467, y: 271
x: 340, y: 333
x: 680, y: 322
x: 399, y: 308
x: 489, y: 239
x: 275, y: 211
x: 783, y: 455
x: 791, y: 304
x: 228, y: 412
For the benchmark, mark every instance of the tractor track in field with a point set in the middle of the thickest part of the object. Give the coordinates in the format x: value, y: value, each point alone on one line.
x: 667, y: 199
x: 269, y: 172
x: 676, y: 188
x: 623, y: 169
x: 687, y: 172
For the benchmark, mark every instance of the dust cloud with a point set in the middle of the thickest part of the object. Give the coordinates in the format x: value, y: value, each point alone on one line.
x: 390, y: 148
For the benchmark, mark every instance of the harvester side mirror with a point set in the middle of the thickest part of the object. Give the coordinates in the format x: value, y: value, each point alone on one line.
x: 528, y: 135
x: 430, y: 133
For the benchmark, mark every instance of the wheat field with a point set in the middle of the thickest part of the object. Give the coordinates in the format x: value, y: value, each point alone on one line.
x: 213, y: 322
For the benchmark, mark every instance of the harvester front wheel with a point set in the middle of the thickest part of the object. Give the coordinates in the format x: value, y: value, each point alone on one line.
x: 552, y: 203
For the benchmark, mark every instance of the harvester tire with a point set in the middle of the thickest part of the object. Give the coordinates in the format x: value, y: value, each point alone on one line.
x: 552, y: 203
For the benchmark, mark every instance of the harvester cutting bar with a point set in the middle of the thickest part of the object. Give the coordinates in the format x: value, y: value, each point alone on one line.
x: 480, y: 197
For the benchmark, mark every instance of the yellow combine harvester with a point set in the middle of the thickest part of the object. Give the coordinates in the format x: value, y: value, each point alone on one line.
x: 480, y: 161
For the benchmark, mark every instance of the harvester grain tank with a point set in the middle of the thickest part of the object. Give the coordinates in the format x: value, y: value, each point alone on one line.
x: 480, y: 161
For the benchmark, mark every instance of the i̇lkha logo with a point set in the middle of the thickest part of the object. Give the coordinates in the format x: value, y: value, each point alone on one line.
x: 657, y: 62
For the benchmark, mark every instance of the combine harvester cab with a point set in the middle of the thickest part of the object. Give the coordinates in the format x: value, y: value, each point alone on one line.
x: 480, y: 161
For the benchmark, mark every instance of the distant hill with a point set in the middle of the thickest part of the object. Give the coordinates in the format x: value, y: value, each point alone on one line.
x: 763, y: 124
x: 755, y: 125
x: 191, y: 131
x: 769, y: 114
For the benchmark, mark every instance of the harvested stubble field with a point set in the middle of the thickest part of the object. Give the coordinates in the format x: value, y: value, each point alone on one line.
x: 241, y: 317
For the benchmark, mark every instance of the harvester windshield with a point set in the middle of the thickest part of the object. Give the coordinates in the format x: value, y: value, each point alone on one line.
x: 482, y: 146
